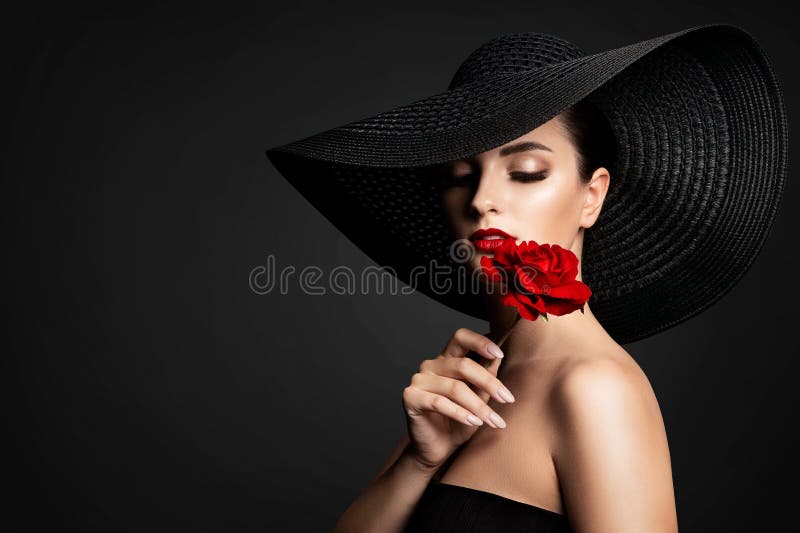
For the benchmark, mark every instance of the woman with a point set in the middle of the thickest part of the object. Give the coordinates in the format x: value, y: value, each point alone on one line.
x: 634, y: 163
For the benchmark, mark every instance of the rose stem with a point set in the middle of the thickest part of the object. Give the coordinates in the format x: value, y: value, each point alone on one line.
x: 508, y: 332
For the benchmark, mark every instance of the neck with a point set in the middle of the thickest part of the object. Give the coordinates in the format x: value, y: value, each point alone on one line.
x: 537, y: 339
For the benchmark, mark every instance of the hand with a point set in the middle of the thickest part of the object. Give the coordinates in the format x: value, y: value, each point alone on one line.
x: 447, y: 399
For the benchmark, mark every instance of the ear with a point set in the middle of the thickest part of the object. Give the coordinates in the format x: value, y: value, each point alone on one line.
x: 595, y: 192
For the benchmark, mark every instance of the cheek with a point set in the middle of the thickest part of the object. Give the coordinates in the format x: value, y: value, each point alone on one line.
x: 548, y: 211
x: 454, y: 202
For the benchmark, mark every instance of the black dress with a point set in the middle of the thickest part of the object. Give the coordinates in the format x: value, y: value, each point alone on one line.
x: 445, y: 508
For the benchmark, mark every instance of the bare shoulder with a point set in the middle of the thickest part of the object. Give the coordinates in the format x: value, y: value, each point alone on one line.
x: 610, y: 447
x: 609, y: 385
x: 603, y: 396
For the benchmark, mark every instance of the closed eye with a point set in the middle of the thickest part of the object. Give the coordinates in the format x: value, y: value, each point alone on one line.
x: 526, y: 177
x: 449, y: 180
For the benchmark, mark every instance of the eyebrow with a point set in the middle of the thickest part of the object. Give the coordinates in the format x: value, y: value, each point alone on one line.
x: 515, y: 148
x: 522, y: 147
x: 512, y: 149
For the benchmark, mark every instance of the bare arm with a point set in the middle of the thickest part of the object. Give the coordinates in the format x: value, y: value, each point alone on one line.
x: 445, y: 403
x: 399, y: 449
x: 387, y: 502
x: 611, y: 452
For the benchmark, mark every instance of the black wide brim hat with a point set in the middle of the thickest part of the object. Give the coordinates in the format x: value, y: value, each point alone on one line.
x: 702, y: 142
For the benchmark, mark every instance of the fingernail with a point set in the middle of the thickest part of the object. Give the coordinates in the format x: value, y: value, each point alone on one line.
x: 474, y: 420
x: 505, y: 394
x: 494, y: 350
x: 497, y: 420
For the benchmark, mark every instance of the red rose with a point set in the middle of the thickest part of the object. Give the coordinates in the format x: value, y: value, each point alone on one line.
x: 538, y: 279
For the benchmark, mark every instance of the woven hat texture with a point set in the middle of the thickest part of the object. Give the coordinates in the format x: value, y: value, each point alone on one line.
x: 701, y: 134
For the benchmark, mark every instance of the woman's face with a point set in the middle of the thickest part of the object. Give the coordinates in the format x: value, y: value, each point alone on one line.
x: 528, y: 188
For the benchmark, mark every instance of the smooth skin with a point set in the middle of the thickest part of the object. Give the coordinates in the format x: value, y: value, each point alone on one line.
x: 437, y: 403
x: 584, y: 433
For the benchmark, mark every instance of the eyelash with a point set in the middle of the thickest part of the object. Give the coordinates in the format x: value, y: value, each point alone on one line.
x: 522, y: 177
x: 527, y: 177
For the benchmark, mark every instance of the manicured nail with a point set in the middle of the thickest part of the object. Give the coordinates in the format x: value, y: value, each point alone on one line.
x: 494, y: 350
x: 497, y: 420
x: 505, y: 394
x: 474, y: 420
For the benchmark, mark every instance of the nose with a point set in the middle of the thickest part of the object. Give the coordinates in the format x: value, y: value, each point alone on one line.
x: 488, y: 195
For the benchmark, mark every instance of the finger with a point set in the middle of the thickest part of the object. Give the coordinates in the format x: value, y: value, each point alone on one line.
x: 465, y: 369
x: 492, y: 369
x: 465, y: 340
x: 491, y: 365
x: 460, y: 393
x: 418, y: 401
x: 480, y: 359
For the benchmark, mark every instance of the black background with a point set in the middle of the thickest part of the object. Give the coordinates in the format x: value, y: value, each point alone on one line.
x: 150, y: 389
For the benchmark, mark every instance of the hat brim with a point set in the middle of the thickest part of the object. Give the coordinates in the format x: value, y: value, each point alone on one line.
x: 702, y: 135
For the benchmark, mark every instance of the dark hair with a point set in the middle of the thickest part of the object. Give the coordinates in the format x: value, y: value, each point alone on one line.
x: 592, y: 136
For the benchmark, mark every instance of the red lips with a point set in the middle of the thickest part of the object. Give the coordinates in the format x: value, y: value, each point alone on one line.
x: 482, y: 241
